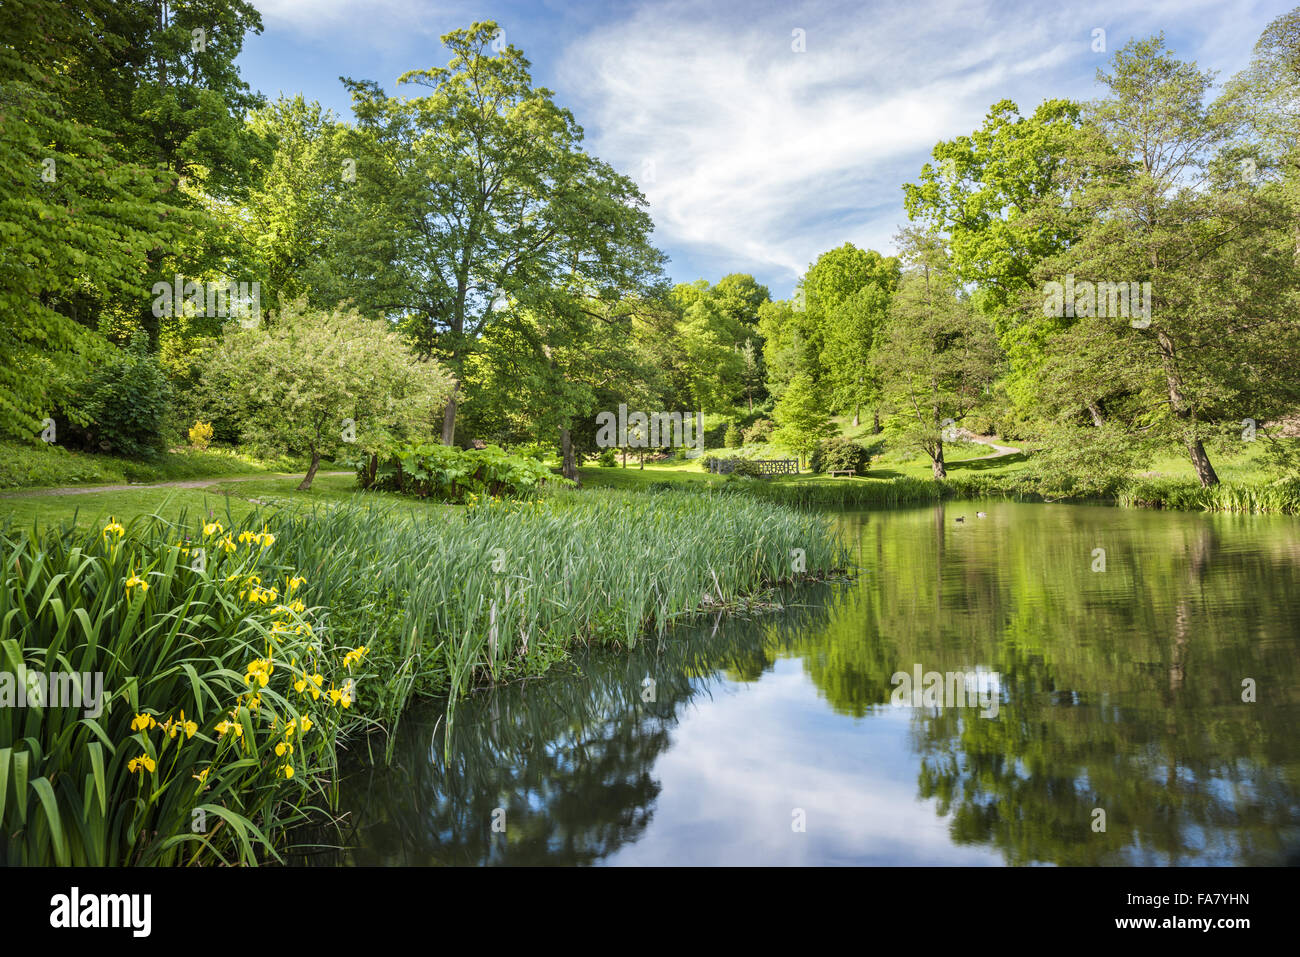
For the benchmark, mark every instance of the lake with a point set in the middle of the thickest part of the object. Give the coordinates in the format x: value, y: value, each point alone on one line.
x: 1123, y: 691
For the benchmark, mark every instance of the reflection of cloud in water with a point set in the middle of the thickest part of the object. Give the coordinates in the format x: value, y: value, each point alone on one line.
x: 741, y: 762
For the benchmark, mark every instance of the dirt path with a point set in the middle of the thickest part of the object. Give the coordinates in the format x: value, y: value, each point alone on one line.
x: 185, y: 483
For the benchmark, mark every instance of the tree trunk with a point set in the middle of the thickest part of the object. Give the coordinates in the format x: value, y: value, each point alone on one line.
x: 937, y: 464
x: 368, y: 473
x: 1183, y: 412
x: 568, y: 464
x: 1095, y: 412
x: 1204, y: 470
x: 449, y: 418
x: 856, y: 420
x: 311, y: 472
x: 875, y: 421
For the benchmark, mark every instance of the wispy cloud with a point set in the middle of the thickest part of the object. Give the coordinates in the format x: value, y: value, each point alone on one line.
x: 758, y: 157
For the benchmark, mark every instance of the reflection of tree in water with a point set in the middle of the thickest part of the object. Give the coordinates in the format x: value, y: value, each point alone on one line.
x: 1120, y: 694
x: 569, y: 759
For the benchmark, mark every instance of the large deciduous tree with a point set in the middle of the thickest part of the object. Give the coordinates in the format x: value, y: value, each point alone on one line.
x: 488, y: 197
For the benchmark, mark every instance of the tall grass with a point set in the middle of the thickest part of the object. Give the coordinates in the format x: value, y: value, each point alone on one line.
x: 499, y: 591
x: 1281, y: 496
x: 209, y: 740
x: 846, y: 493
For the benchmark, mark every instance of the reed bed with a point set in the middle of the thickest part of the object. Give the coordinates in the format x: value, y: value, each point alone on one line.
x: 1281, y: 496
x: 501, y: 589
x: 879, y: 493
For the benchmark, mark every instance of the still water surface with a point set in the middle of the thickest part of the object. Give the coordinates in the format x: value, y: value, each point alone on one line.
x: 1118, y: 690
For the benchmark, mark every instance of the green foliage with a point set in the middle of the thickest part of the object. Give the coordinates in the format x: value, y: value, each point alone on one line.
x: 450, y: 474
x: 733, y: 438
x: 607, y: 458
x: 801, y: 417
x: 28, y: 466
x: 760, y: 431
x: 166, y: 639
x: 294, y: 384
x: 839, y: 454
x: 126, y: 401
x: 732, y: 465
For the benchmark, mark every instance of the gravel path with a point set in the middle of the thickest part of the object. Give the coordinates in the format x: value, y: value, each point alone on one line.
x: 999, y: 450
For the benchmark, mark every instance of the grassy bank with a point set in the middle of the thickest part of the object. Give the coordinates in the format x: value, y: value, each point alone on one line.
x: 1256, y: 494
x: 227, y: 686
x: 27, y: 465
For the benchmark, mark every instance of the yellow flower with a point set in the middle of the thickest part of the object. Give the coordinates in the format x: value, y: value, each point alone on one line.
x: 202, y: 775
x: 142, y: 763
x: 279, y: 750
x: 143, y: 722
x: 304, y: 723
x: 288, y: 771
x: 295, y: 582
x: 213, y: 528
x: 354, y: 656
x: 300, y: 685
x: 227, y: 544
x: 135, y: 581
x: 113, y: 528
x: 189, y: 727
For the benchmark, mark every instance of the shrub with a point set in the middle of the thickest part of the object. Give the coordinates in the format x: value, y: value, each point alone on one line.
x: 838, y: 454
x: 201, y: 435
x: 540, y: 451
x: 127, y: 401
x: 731, y: 465
x: 451, y: 474
x: 733, y: 439
x: 760, y: 431
x: 607, y: 458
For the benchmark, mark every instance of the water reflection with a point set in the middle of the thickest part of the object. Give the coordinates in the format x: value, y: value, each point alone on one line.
x: 1121, y: 691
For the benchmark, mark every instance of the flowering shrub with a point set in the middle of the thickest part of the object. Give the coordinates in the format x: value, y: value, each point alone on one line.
x: 220, y: 703
x: 201, y: 435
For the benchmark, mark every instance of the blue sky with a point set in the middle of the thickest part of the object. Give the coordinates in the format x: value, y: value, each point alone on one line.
x: 756, y: 158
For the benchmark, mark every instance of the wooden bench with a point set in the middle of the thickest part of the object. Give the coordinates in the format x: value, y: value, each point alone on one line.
x: 837, y: 472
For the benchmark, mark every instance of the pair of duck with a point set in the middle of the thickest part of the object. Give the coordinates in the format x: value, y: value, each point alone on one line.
x: 962, y: 518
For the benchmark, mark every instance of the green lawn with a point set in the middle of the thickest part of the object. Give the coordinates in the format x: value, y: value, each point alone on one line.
x: 225, y: 499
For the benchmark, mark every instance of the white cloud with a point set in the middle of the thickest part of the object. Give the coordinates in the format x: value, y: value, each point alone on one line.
x: 763, y: 158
